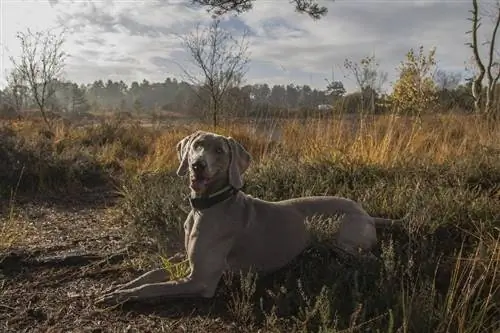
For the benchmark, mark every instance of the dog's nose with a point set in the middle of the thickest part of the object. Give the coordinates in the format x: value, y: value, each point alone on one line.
x: 198, y: 165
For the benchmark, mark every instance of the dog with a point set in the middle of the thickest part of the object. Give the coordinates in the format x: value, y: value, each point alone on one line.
x: 227, y: 229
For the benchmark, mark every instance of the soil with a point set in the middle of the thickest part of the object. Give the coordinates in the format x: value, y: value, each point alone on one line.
x: 69, y: 253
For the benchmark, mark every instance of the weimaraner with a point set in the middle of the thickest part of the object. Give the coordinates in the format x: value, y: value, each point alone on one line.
x: 230, y: 230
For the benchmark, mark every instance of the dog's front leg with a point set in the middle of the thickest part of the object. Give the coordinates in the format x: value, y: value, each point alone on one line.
x: 139, y: 292
x: 154, y: 276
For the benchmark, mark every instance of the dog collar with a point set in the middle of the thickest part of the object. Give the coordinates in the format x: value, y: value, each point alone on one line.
x: 213, y: 199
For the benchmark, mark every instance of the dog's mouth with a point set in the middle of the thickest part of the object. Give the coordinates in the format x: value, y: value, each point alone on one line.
x: 199, y: 183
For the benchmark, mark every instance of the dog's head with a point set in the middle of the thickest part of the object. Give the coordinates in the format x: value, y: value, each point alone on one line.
x: 212, y: 160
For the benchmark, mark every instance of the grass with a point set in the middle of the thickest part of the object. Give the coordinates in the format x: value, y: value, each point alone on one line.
x: 438, y: 273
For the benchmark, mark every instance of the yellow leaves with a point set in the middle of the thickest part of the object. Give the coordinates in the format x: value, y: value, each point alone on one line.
x: 415, y: 90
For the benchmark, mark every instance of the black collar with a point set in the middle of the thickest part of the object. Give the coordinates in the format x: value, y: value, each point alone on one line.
x: 207, y: 202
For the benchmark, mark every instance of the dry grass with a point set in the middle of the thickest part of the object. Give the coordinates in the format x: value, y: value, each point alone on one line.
x: 385, y: 141
x: 391, y: 140
x: 439, y: 274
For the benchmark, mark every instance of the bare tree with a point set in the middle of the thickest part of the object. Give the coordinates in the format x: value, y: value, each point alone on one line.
x: 447, y: 80
x: 40, y: 64
x: 221, y: 59
x: 492, y: 68
x: 367, y: 76
x: 220, y: 7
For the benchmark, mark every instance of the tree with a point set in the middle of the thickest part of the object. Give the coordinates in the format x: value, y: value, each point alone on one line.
x: 446, y: 80
x: 492, y: 68
x: 16, y: 92
x: 335, y: 89
x: 278, y: 96
x: 79, y: 102
x: 292, y: 96
x: 41, y: 63
x: 220, y: 7
x: 368, y: 78
x: 415, y: 90
x: 222, y: 61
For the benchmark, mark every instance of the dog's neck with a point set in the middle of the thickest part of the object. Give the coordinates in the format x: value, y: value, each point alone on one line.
x: 212, y: 189
x: 216, y: 192
x: 211, y: 199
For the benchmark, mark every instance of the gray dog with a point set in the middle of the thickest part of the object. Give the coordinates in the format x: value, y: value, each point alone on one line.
x: 230, y: 230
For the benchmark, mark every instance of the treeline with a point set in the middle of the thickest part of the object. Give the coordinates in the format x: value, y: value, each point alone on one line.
x: 181, y: 97
x: 170, y: 95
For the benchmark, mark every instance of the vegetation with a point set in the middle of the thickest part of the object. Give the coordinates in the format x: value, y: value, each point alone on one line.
x: 102, y: 182
x: 437, y: 274
x: 415, y: 91
x: 222, y: 61
x: 41, y: 63
x: 491, y: 69
x: 220, y: 7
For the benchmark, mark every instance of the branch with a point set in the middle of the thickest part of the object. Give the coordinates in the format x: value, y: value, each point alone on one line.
x: 221, y: 7
x: 475, y: 26
x: 491, y: 79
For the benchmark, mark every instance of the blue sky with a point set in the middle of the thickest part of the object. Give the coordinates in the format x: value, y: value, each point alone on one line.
x: 132, y: 40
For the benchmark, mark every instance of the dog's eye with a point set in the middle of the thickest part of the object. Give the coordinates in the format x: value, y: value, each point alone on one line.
x: 219, y: 150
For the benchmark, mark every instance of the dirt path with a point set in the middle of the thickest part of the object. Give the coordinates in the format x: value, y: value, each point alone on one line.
x: 48, y: 283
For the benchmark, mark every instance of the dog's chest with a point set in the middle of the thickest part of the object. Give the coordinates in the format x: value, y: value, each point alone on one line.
x: 209, y: 227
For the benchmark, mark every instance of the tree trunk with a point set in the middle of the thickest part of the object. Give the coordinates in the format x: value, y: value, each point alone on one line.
x: 492, y: 79
x: 45, y: 118
x: 477, y: 84
x: 215, y: 110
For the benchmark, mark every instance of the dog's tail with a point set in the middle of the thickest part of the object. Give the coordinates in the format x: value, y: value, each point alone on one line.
x: 381, y: 222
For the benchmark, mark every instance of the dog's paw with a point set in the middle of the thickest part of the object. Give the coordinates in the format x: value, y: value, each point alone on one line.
x: 112, y: 288
x: 114, y: 298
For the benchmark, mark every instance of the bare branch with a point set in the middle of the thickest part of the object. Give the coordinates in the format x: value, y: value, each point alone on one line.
x: 477, y: 82
x: 221, y: 60
x: 40, y: 65
x: 492, y: 79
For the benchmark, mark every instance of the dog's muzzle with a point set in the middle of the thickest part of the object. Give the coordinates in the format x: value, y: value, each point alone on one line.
x: 199, y: 166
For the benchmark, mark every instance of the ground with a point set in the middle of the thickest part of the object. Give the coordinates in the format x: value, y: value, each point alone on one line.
x: 73, y: 252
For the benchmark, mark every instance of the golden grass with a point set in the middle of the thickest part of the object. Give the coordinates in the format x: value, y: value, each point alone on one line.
x: 382, y: 140
x: 390, y: 140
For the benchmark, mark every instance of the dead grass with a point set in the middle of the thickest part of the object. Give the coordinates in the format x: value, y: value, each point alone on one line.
x: 438, y: 274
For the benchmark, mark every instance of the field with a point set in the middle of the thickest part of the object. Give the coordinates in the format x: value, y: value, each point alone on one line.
x: 88, y: 206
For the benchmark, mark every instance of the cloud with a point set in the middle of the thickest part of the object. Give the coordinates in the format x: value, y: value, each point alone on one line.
x: 356, y: 29
x: 131, y: 40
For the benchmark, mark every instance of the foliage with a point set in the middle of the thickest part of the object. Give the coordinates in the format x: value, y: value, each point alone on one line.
x: 16, y: 94
x: 415, y: 90
x: 37, y: 164
x: 437, y: 274
x: 221, y: 7
x: 335, y: 89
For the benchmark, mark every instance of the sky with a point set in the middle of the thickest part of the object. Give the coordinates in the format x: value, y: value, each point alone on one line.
x: 132, y: 40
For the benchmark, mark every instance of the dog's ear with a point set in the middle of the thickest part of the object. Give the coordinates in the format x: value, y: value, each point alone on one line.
x: 240, y: 161
x: 183, y: 150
